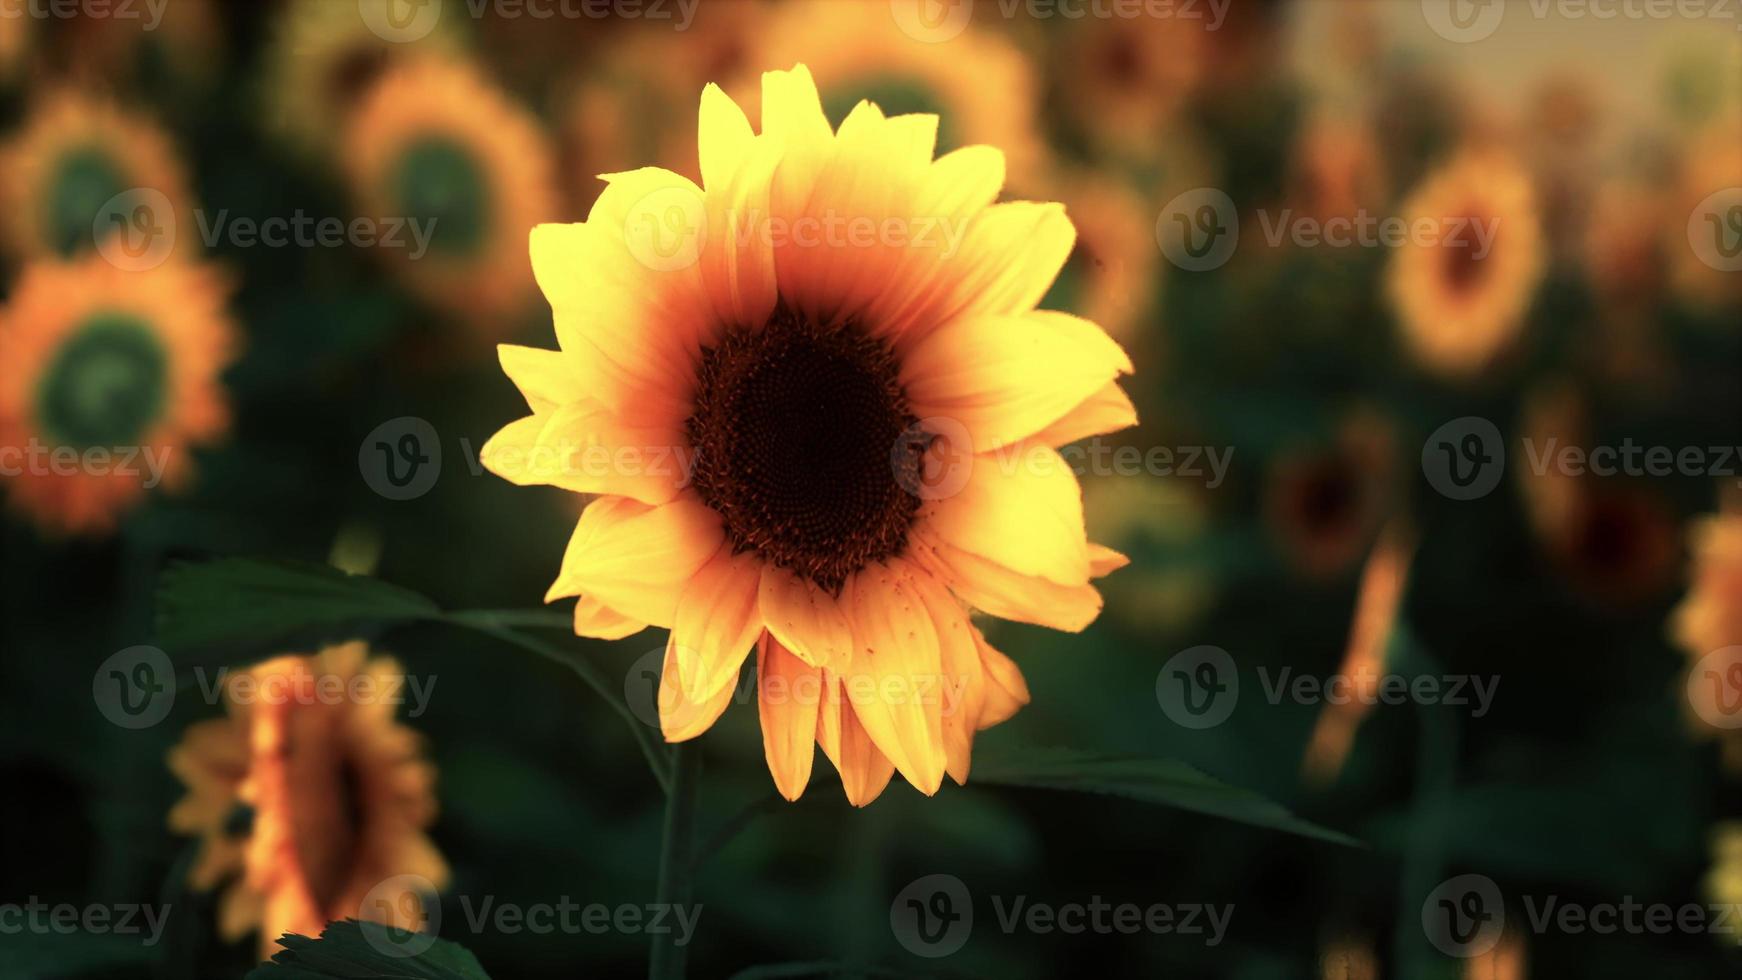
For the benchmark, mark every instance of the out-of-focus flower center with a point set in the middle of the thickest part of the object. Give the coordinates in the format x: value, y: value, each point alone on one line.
x: 328, y: 813
x: 438, y: 181
x: 800, y: 438
x: 1464, y: 268
x: 84, y: 181
x: 105, y: 386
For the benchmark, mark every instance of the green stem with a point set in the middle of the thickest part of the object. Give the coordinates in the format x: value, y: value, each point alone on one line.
x: 492, y: 623
x: 667, y: 959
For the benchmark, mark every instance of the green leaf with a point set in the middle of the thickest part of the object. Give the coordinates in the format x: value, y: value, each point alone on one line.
x: 241, y: 601
x: 353, y: 950
x: 1168, y: 782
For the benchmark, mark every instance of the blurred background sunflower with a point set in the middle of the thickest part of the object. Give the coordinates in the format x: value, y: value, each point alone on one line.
x: 1369, y: 451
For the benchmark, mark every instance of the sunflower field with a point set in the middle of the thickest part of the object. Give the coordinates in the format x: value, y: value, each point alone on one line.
x: 870, y: 488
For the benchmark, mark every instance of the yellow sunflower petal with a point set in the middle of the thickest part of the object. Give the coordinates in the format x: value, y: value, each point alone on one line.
x: 892, y: 677
x: 593, y: 618
x: 998, y: 591
x: 1007, y: 259
x: 864, y: 769
x: 1004, y: 378
x: 806, y: 619
x: 546, y: 378
x: 635, y: 558
x: 724, y: 136
x: 789, y: 692
x: 1021, y: 510
x: 584, y: 448
x: 961, y: 683
x: 737, y: 255
x: 717, y: 621
x: 680, y: 718
x: 792, y: 117
x: 1109, y: 409
x: 1104, y: 560
x: 1005, y: 689
x: 633, y: 320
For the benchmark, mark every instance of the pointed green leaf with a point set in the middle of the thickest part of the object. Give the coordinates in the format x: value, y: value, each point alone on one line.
x: 236, y: 601
x: 1168, y: 782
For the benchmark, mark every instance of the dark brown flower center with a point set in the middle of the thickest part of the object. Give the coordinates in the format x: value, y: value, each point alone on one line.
x: 803, y: 445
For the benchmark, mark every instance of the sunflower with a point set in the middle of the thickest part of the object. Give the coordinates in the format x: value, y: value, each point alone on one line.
x: 1136, y: 76
x: 819, y: 430
x: 1612, y: 538
x: 308, y: 798
x: 1461, y: 291
x: 322, y: 58
x: 433, y: 143
x: 107, y: 377
x: 977, y: 83
x: 1325, y: 504
x: 74, y: 157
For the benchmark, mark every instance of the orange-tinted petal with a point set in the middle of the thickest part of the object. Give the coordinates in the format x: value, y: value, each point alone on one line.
x: 1007, y: 377
x: 893, y: 675
x: 638, y: 559
x: 806, y: 619
x: 864, y: 769
x: 717, y: 621
x: 1021, y: 509
x: 680, y: 717
x: 789, y: 692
